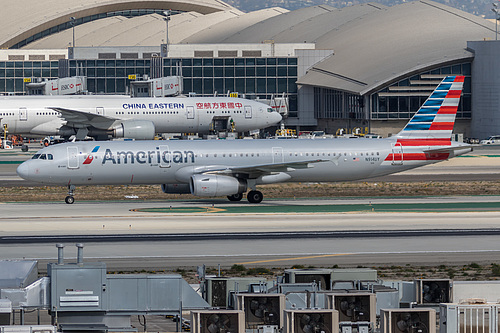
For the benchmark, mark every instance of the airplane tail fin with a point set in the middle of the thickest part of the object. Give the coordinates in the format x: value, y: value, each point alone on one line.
x: 433, y: 123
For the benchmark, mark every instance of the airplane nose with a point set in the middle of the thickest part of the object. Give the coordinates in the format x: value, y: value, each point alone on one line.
x: 23, y: 170
x: 277, y: 117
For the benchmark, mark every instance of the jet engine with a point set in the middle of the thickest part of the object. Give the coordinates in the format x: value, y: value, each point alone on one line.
x: 214, y: 185
x: 135, y: 129
x: 175, y: 188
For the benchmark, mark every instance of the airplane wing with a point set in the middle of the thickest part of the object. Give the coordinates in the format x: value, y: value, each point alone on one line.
x: 79, y: 118
x: 255, y: 171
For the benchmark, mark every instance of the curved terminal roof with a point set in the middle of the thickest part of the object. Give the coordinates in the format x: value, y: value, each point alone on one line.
x: 303, y: 25
x: 266, y: 29
x: 379, y: 48
x: 24, y: 19
x: 146, y: 30
x: 373, y: 45
x: 218, y: 32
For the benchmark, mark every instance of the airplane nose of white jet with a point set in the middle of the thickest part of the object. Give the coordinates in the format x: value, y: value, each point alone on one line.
x: 276, y: 117
x: 23, y: 170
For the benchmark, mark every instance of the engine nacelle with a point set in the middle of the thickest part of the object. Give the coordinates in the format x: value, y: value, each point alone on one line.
x: 214, y: 185
x: 135, y: 129
x: 175, y: 188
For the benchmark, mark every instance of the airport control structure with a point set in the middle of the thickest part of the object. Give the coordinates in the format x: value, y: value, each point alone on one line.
x: 359, y: 69
x: 80, y: 296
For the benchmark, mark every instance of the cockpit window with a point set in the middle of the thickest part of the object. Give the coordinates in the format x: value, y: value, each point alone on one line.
x: 43, y: 157
x: 269, y: 109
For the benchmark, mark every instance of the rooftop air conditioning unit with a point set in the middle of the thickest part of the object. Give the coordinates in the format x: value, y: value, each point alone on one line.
x: 261, y: 309
x: 433, y: 291
x: 219, y: 289
x: 217, y: 321
x: 416, y: 320
x: 353, y: 307
x: 311, y: 321
x: 471, y: 316
x: 322, y: 277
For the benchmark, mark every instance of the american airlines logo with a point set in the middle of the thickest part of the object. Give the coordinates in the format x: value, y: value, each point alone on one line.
x: 90, y: 157
x: 156, y: 156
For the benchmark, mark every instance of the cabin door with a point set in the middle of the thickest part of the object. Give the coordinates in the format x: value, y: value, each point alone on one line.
x: 190, y: 112
x: 23, y: 114
x: 248, y: 112
x: 397, y: 154
x: 73, y: 158
x: 277, y: 155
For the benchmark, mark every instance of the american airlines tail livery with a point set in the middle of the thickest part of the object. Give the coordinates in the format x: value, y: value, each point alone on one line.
x: 230, y: 168
x: 104, y: 117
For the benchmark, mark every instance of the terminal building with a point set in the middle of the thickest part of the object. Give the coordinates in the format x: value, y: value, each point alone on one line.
x: 367, y: 67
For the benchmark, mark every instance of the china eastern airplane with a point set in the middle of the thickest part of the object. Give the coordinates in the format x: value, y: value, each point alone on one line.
x: 229, y: 168
x: 104, y: 117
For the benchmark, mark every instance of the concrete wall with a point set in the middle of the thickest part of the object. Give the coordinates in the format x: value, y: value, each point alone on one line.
x: 485, y: 88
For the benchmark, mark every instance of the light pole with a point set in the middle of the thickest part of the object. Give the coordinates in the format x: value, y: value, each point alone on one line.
x: 73, y: 19
x: 167, y: 18
x: 495, y: 10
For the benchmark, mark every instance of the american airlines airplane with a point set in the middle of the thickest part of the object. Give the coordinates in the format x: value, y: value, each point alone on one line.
x: 104, y: 117
x: 229, y: 168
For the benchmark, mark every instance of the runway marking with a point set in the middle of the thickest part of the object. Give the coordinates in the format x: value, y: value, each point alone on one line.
x: 368, y: 207
x: 296, y: 258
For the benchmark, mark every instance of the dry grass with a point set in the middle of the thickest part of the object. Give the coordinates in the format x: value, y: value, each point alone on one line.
x: 467, y: 272
x: 297, y: 190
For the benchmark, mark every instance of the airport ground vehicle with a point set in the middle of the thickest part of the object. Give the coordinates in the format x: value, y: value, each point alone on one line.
x: 492, y: 140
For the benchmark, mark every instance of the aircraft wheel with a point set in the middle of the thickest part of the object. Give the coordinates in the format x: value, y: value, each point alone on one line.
x: 69, y: 199
x: 235, y: 197
x: 255, y: 196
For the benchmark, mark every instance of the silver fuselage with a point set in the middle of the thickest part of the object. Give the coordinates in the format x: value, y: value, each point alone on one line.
x: 174, y: 162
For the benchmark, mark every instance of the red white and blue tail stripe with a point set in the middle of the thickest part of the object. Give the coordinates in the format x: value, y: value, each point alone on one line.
x: 433, y: 123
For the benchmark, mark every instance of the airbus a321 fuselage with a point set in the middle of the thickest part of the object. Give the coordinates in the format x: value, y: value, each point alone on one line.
x: 139, y: 118
x: 229, y: 168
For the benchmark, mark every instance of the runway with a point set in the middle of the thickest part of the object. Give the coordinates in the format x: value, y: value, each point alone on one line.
x: 275, y: 233
x: 459, y: 240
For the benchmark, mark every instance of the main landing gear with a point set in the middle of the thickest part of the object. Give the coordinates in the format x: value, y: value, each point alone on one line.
x: 252, y: 197
x: 70, y: 199
x: 235, y: 197
x: 255, y: 196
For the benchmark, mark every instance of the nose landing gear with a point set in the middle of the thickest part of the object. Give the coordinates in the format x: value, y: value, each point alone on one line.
x: 70, y: 199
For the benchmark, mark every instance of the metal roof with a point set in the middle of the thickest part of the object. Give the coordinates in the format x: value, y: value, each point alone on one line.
x: 382, y: 46
x: 217, y: 33
x: 23, y: 19
x: 271, y: 28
